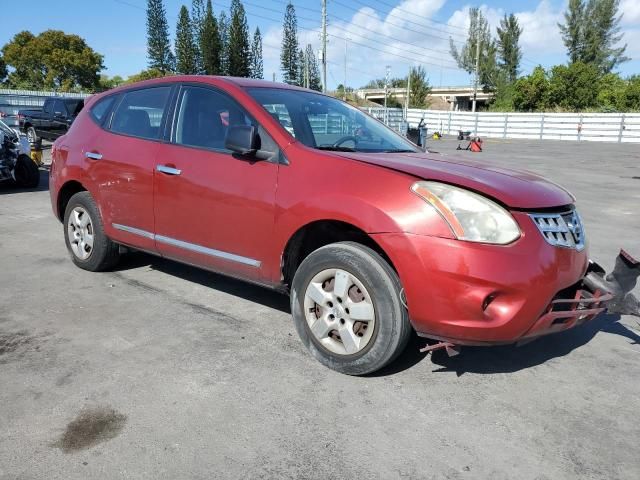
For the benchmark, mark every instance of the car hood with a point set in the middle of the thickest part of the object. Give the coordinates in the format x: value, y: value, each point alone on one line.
x: 516, y: 189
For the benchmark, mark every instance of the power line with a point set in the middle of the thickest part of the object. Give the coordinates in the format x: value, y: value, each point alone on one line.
x: 394, y: 24
x: 398, y: 40
x: 393, y: 13
x: 391, y: 37
x: 395, y: 7
x: 413, y: 60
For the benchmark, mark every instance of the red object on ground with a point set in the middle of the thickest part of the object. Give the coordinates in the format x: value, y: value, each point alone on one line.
x: 476, y: 145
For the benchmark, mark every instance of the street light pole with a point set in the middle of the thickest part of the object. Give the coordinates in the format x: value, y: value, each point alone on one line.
x: 324, y: 46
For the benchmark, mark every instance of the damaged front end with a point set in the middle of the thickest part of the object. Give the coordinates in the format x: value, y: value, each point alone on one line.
x: 619, y: 283
x: 595, y: 293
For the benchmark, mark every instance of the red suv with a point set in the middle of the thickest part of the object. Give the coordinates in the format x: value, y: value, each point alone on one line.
x: 300, y: 192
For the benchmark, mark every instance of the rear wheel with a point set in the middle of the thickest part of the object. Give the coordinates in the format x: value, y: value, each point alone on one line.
x: 32, y: 136
x: 89, y: 247
x: 26, y: 172
x: 345, y: 301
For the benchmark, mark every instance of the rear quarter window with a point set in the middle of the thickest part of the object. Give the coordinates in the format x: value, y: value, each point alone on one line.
x: 101, y: 108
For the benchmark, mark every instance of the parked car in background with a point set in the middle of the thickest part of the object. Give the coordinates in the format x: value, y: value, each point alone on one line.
x: 371, y: 236
x: 15, y: 163
x: 52, y: 121
x: 9, y: 116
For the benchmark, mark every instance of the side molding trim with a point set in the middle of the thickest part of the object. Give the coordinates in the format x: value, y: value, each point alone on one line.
x: 189, y: 246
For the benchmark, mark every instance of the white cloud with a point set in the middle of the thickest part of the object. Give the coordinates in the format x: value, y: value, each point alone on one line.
x: 406, y: 32
x: 630, y: 11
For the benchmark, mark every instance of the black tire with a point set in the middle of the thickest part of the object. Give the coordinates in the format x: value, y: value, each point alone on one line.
x: 105, y: 253
x: 32, y: 135
x: 392, y: 327
x: 26, y: 172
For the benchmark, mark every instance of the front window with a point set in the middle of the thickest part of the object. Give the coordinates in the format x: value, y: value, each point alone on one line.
x: 325, y: 123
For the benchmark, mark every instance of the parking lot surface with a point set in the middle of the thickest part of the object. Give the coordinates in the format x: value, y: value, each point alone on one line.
x: 164, y: 371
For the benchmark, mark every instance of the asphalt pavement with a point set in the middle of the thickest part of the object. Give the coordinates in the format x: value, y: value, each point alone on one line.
x: 163, y: 371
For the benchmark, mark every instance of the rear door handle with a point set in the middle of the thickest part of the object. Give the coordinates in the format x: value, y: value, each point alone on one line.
x: 93, y: 155
x: 168, y: 170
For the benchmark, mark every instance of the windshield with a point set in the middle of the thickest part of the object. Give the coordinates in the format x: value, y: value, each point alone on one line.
x: 325, y: 123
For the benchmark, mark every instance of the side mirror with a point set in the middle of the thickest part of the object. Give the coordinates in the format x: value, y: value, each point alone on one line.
x: 242, y: 139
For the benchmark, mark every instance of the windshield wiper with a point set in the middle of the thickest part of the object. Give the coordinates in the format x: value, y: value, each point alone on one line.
x: 336, y: 149
x: 400, y: 150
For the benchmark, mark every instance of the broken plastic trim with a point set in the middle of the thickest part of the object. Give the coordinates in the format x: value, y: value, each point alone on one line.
x: 620, y: 282
x: 598, y: 292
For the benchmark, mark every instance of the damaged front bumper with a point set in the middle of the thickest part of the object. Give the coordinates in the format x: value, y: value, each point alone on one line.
x: 595, y: 293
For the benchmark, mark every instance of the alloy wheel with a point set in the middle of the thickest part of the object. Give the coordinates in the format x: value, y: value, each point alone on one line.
x: 339, y: 311
x: 80, y: 233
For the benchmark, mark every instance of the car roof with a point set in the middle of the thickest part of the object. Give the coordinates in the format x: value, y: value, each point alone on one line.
x: 237, y: 81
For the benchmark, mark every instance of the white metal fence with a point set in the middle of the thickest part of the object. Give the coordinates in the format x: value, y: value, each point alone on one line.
x: 595, y: 127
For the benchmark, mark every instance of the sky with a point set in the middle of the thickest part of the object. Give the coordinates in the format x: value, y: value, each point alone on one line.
x: 369, y: 34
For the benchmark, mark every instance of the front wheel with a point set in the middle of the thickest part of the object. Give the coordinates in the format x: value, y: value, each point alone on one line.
x: 346, y: 306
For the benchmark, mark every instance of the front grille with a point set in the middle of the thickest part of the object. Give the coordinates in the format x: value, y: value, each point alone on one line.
x: 563, y: 229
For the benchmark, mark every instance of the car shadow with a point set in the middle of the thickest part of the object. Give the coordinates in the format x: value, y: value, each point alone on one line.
x: 238, y: 288
x: 482, y: 360
x: 9, y: 188
x: 510, y: 358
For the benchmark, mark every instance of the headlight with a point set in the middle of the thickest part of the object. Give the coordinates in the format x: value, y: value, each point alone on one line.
x: 471, y: 216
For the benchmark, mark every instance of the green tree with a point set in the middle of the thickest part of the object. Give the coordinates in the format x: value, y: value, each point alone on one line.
x: 158, y: 43
x: 198, y: 13
x: 611, y: 92
x: 145, y: 75
x: 572, y: 30
x: 256, y: 55
x: 591, y: 33
x: 574, y: 87
x: 210, y: 43
x: 531, y: 93
x: 419, y: 88
x: 289, y: 54
x: 602, y: 35
x: 508, y: 46
x: 465, y: 57
x: 3, y: 69
x: 185, y: 46
x: 239, y: 46
x: 52, y: 60
x: 630, y: 100
x: 107, y: 82
x: 302, y: 62
x: 315, y: 83
x: 223, y: 27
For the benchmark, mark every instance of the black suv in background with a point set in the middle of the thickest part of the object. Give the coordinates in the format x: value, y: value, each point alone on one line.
x: 52, y: 121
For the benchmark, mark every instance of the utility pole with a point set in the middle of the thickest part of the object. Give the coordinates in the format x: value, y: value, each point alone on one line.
x: 306, y: 67
x: 386, y: 94
x: 344, y: 85
x: 475, y: 79
x: 324, y: 46
x: 406, y: 110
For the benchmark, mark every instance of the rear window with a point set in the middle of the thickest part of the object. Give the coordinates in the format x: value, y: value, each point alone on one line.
x: 74, y: 105
x: 140, y: 112
x: 101, y: 108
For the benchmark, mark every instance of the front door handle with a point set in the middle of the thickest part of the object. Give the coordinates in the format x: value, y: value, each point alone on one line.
x: 168, y: 170
x: 93, y: 155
